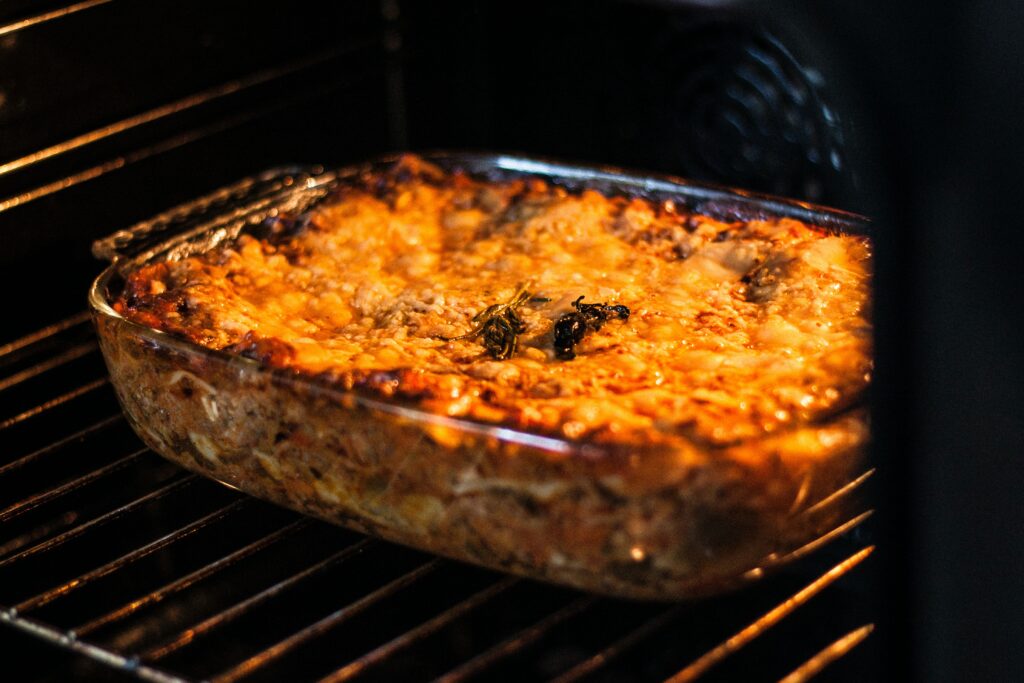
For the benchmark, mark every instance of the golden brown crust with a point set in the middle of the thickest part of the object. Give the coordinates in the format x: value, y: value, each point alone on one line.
x: 738, y: 330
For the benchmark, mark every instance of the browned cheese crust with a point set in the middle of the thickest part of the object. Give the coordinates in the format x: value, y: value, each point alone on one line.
x: 733, y: 383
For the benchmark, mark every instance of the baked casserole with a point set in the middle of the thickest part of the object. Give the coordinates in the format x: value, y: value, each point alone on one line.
x: 620, y: 393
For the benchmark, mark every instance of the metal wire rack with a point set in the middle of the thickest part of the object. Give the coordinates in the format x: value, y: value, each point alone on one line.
x: 109, y: 551
x: 152, y: 573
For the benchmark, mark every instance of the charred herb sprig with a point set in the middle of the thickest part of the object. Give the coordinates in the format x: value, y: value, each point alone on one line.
x: 499, y: 325
x: 570, y: 328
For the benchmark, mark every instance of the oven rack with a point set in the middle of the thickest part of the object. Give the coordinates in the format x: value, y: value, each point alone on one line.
x: 110, y: 552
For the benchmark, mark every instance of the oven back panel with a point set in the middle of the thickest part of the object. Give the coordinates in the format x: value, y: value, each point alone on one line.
x: 708, y: 94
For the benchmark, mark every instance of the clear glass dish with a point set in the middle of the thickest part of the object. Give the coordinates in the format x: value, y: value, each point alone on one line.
x: 639, y: 523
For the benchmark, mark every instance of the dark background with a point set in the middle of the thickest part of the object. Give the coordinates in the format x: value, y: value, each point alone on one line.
x: 907, y: 113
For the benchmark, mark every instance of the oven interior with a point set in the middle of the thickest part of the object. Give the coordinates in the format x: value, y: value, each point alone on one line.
x: 116, y: 565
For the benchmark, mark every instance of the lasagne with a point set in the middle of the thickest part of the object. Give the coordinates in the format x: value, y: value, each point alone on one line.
x: 704, y: 373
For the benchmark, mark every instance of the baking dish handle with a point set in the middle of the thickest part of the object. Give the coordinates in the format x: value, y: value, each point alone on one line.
x: 237, y: 201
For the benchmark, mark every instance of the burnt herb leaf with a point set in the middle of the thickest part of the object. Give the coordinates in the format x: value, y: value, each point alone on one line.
x: 499, y: 325
x: 570, y: 328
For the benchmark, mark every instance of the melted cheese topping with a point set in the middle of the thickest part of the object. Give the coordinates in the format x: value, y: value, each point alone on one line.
x: 737, y: 330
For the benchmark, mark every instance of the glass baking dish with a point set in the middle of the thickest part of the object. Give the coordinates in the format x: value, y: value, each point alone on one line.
x: 641, y: 524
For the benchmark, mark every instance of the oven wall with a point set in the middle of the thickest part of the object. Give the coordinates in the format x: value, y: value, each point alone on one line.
x: 711, y: 93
